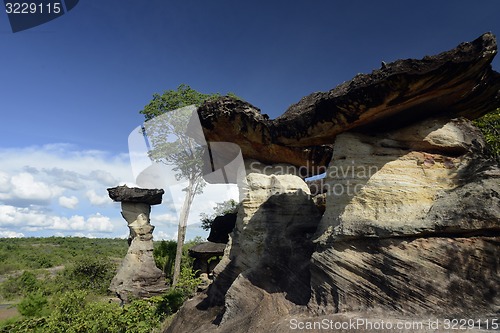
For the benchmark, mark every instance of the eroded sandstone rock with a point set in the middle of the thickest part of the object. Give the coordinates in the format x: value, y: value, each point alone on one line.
x: 459, y: 82
x: 412, y: 224
x: 265, y: 268
x: 138, y: 276
x: 411, y: 228
x: 391, y: 184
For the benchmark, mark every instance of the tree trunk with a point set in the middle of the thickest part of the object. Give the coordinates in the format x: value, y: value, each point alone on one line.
x: 181, y: 231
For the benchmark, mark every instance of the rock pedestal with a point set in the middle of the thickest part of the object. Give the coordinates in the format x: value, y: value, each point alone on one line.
x: 138, y: 276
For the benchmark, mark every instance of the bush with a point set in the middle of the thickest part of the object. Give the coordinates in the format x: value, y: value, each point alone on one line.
x: 164, y: 255
x: 489, y: 124
x: 20, y: 286
x: 171, y: 302
x: 33, y: 305
x: 74, y: 313
x: 88, y: 273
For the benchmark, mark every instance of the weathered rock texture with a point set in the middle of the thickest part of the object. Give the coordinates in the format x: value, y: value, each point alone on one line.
x: 400, y: 183
x: 138, y: 276
x: 411, y: 224
x: 459, y: 82
x: 266, y: 266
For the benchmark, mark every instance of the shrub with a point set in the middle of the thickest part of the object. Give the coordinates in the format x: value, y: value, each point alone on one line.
x: 33, y: 305
x: 88, y: 273
x: 22, y: 285
x: 489, y: 124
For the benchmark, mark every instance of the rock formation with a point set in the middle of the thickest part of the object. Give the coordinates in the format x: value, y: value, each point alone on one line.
x: 459, y: 82
x: 411, y: 224
x: 138, y: 276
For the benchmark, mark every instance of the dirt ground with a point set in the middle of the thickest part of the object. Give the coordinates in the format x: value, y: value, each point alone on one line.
x: 7, y: 311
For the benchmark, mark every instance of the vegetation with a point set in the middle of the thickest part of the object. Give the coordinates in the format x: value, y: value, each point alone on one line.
x: 71, y: 295
x: 489, y: 124
x: 171, y: 145
x: 222, y: 208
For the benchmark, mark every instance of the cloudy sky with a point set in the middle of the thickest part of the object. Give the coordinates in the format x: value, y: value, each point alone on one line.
x: 71, y: 89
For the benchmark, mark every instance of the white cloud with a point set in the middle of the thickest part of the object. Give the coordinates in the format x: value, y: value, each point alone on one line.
x: 10, y: 234
x: 76, y: 222
x: 33, y: 219
x: 99, y: 223
x: 165, y: 218
x: 5, y: 185
x: 63, y: 178
x: 96, y: 199
x: 160, y: 235
x: 71, y: 162
x: 24, y: 186
x: 68, y: 202
x: 103, y: 177
x: 37, y: 182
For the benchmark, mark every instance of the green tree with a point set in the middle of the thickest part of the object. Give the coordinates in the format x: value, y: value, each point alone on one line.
x: 220, y: 209
x: 171, y: 145
x: 489, y: 124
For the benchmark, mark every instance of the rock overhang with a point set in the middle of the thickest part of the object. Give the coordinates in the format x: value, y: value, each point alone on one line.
x: 456, y: 83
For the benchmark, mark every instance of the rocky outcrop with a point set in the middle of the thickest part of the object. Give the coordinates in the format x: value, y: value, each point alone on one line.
x: 400, y: 183
x: 138, y: 276
x: 459, y: 82
x: 411, y: 222
x: 265, y: 269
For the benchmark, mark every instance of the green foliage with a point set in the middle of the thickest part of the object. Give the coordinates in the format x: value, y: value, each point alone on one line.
x: 174, y: 99
x: 188, y: 281
x: 70, y: 298
x: 164, y: 255
x: 75, y: 313
x: 91, y: 273
x: 33, y: 305
x: 34, y: 253
x: 167, y: 134
x: 220, y: 209
x: 172, y: 145
x: 20, y: 286
x: 173, y: 299
x: 489, y: 124
x: 171, y: 302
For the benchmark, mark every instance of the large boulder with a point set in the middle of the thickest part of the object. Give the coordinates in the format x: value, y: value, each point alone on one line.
x: 221, y: 227
x: 405, y: 182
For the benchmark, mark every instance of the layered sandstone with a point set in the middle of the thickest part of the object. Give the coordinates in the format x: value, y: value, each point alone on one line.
x: 410, y: 229
x: 138, y: 276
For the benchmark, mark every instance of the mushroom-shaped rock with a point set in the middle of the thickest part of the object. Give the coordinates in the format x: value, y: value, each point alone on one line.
x: 138, y: 275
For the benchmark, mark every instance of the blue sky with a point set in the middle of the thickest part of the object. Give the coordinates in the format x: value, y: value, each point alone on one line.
x: 71, y: 89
